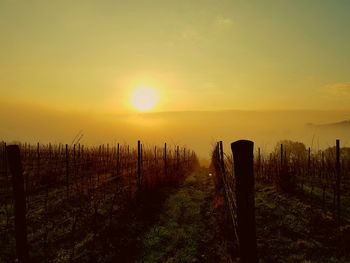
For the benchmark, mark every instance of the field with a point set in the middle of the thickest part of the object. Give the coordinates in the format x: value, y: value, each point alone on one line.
x: 293, y: 228
x: 76, y: 196
x: 302, y: 202
x: 155, y: 204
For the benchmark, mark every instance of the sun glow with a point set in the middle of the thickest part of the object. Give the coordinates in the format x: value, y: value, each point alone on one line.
x: 144, y: 98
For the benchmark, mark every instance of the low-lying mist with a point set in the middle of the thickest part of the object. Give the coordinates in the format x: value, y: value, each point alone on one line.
x: 198, y: 130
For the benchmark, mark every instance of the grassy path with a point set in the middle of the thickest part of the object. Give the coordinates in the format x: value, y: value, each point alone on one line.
x: 187, y: 229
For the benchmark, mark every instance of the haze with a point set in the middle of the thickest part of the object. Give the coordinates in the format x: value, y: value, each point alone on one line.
x: 67, y: 66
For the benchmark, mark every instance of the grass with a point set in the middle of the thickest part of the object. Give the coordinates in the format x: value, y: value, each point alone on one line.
x: 184, y: 224
x: 316, y: 196
x: 187, y: 229
x: 290, y: 229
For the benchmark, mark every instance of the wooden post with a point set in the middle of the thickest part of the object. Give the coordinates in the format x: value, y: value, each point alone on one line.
x: 338, y: 177
x: 281, y: 178
x: 323, y: 181
x: 185, y: 156
x: 5, y: 165
x: 244, y: 174
x: 15, y: 166
x: 74, y: 163
x: 128, y: 163
x: 118, y: 159
x: 259, y: 164
x: 50, y: 151
x: 165, y: 160
x: 281, y: 156
x: 218, y: 152
x: 155, y: 155
x: 67, y: 171
x: 177, y: 158
x: 309, y: 163
x: 139, y: 165
x: 37, y: 167
x: 222, y: 160
x: 38, y: 159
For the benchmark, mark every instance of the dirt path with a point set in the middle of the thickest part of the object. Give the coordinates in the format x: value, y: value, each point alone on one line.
x: 187, y: 229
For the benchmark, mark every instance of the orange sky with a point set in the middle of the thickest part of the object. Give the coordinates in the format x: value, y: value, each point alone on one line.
x: 199, y: 55
x: 67, y: 66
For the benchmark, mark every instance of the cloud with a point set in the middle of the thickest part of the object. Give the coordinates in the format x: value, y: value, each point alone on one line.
x: 341, y: 89
x: 190, y: 33
x: 224, y: 22
x: 193, y: 33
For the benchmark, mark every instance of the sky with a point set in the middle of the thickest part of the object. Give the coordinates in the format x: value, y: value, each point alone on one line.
x: 200, y: 55
x: 63, y: 61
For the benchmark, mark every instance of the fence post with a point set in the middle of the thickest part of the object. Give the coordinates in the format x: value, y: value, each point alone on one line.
x: 67, y: 171
x: 165, y: 161
x: 338, y: 177
x: 259, y: 173
x: 5, y: 165
x: 244, y: 173
x: 118, y: 160
x: 177, y: 158
x: 309, y: 164
x: 281, y: 156
x: 222, y: 160
x: 37, y: 160
x: 14, y: 161
x: 139, y: 165
x: 155, y: 154
x: 184, y: 157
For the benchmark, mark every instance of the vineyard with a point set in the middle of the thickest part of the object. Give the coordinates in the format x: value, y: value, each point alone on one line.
x: 77, y: 203
x: 302, y: 197
x: 323, y: 176
x: 76, y: 195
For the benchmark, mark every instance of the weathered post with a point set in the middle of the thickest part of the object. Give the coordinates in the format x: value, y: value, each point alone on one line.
x: 309, y: 164
x: 50, y: 151
x: 14, y: 161
x: 338, y: 177
x: 129, y: 168
x: 67, y: 171
x: 5, y: 164
x: 177, y: 158
x: 281, y: 156
x: 165, y: 160
x: 323, y: 181
x: 220, y: 160
x: 259, y: 164
x: 37, y: 160
x: 74, y: 162
x: 281, y: 181
x: 155, y: 154
x: 185, y: 157
x: 139, y: 165
x: 118, y: 159
x: 244, y: 173
x: 218, y: 152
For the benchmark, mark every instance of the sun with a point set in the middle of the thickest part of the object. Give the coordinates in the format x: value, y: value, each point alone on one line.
x: 144, y: 98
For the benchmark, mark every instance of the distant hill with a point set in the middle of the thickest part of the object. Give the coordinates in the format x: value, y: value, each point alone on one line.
x: 341, y: 124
